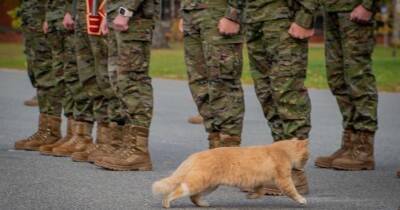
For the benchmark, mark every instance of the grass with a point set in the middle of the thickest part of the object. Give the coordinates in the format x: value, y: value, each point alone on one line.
x: 169, y: 63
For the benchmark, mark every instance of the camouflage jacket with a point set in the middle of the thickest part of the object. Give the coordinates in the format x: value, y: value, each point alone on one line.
x: 347, y: 5
x: 33, y: 14
x: 233, y: 7
x: 301, y: 11
x: 55, y: 10
x: 142, y: 9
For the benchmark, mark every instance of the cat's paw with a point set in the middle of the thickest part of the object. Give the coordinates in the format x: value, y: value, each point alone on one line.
x: 253, y: 195
x: 302, y: 201
x: 166, y: 204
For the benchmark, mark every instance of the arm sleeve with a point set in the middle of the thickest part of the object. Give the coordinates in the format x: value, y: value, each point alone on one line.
x: 68, y: 6
x: 234, y: 10
x: 304, y: 16
x: 368, y: 4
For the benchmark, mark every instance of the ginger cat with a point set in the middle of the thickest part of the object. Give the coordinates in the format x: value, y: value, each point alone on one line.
x: 244, y: 167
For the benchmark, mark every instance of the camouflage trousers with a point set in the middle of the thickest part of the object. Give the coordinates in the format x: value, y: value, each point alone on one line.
x: 92, y: 58
x: 134, y: 87
x: 278, y: 65
x: 47, y: 80
x: 115, y: 110
x: 349, y: 47
x: 214, y: 67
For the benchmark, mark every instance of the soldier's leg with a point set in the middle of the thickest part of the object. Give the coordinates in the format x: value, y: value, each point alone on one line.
x: 50, y: 107
x: 335, y: 68
x: 260, y: 68
x: 28, y: 51
x: 359, y: 42
x: 197, y: 69
x: 288, y: 74
x: 224, y: 62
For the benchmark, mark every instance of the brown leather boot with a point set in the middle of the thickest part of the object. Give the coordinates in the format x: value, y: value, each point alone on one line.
x: 299, y: 180
x: 214, y: 140
x: 81, y: 139
x: 197, y: 119
x: 32, y: 101
x: 135, y: 154
x: 326, y: 161
x: 102, y: 137
x: 112, y: 146
x: 361, y: 155
x: 48, y: 149
x: 49, y: 134
x: 229, y: 141
x: 20, y: 144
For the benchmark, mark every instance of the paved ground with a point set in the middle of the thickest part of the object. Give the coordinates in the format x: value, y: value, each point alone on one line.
x: 31, y: 181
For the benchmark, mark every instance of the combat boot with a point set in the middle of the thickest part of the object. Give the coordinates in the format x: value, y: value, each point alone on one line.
x: 135, y: 154
x: 81, y: 139
x: 229, y: 141
x: 112, y: 146
x: 102, y: 137
x: 214, y: 140
x: 299, y: 180
x: 361, y: 155
x: 326, y: 161
x: 197, y: 119
x: 48, y: 149
x: 20, y: 144
x: 32, y: 101
x: 49, y: 134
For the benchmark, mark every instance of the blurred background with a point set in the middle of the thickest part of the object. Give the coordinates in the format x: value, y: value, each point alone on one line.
x: 167, y: 55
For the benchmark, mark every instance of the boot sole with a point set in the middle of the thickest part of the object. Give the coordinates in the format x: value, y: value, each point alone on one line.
x: 303, y: 190
x: 352, y: 168
x: 122, y: 168
x: 79, y: 159
x: 323, y: 165
x: 46, y: 153
x: 61, y: 154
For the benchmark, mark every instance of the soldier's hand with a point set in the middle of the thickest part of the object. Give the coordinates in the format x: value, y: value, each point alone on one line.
x: 360, y: 15
x: 228, y: 27
x: 180, y: 25
x: 104, y: 28
x: 299, y: 32
x: 45, y: 27
x: 120, y: 23
x: 68, y: 22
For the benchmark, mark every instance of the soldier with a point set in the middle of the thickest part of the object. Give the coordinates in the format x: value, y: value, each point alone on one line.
x: 134, y: 26
x: 114, y: 109
x: 349, y: 35
x: 77, y: 107
x: 91, y: 51
x: 213, y: 55
x: 277, y: 33
x: 44, y: 78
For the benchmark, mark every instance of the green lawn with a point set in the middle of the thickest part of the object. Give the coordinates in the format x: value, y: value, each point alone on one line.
x: 169, y: 63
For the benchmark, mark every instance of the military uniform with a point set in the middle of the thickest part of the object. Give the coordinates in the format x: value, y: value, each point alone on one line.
x: 348, y: 51
x: 214, y: 65
x: 278, y: 64
x: 42, y: 75
x: 134, y: 87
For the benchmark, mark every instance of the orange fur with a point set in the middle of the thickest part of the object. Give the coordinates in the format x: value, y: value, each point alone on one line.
x: 244, y: 167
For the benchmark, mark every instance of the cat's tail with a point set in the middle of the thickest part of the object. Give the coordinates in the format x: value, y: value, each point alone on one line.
x: 169, y: 184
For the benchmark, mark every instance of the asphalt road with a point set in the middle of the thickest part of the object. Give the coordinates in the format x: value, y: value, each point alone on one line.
x: 31, y: 181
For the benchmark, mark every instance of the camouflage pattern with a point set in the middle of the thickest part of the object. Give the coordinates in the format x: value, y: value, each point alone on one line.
x: 349, y: 47
x: 347, y: 6
x: 44, y: 78
x: 214, y: 65
x: 92, y: 57
x: 134, y: 86
x: 278, y: 64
